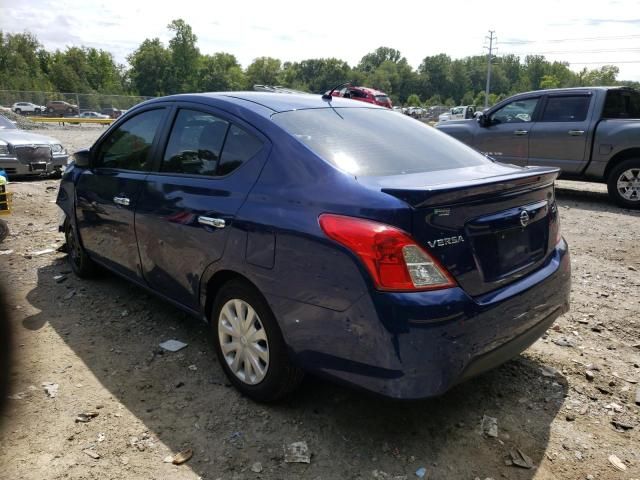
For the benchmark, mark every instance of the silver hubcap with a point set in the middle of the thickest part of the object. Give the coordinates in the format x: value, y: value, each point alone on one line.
x: 243, y: 341
x: 629, y: 184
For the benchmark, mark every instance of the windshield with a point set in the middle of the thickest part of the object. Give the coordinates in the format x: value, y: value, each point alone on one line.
x: 376, y: 142
x: 5, y: 124
x: 382, y: 98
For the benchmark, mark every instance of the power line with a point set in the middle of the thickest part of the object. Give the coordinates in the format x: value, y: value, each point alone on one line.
x: 577, y: 52
x: 556, y: 40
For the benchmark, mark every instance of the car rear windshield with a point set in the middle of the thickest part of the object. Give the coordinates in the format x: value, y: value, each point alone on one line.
x: 382, y: 98
x: 368, y: 142
x: 622, y: 104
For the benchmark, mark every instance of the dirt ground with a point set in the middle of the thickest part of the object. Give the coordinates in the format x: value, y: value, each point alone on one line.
x: 567, y: 403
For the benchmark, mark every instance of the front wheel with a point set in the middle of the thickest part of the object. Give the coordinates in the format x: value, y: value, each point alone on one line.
x: 623, y: 184
x: 249, y: 344
x: 78, y: 259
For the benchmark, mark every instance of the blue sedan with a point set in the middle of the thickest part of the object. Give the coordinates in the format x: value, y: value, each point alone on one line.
x: 322, y: 235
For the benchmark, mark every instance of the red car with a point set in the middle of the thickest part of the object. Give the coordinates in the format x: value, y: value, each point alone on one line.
x: 365, y: 94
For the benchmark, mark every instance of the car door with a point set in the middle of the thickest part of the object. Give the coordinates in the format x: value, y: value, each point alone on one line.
x: 505, y: 135
x: 188, y: 206
x: 107, y: 192
x: 559, y: 137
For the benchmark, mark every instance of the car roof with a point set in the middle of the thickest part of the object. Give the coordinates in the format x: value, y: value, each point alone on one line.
x: 268, y: 103
x: 370, y: 90
x: 574, y: 90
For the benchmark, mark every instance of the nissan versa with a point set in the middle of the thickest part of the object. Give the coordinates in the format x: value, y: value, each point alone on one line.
x: 322, y: 235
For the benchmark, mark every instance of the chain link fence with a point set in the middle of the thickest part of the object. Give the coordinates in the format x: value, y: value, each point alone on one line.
x: 83, y: 101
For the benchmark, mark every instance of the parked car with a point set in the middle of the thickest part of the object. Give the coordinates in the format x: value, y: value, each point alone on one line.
x: 392, y: 257
x: 364, y: 94
x: 27, y: 153
x: 111, y: 112
x: 27, y: 107
x: 592, y: 134
x: 458, y: 113
x: 58, y: 107
x: 93, y: 115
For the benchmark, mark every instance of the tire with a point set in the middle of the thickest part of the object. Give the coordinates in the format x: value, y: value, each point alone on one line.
x: 18, y: 111
x: 69, y: 110
x: 50, y: 110
x: 37, y: 110
x: 4, y: 230
x: 623, y: 184
x: 78, y: 259
x: 279, y: 376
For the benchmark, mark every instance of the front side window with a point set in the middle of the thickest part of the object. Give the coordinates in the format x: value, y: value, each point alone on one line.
x: 518, y: 111
x: 369, y: 142
x: 566, y: 109
x: 129, y: 146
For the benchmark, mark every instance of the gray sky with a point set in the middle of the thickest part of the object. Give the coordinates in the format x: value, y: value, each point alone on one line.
x: 597, y: 32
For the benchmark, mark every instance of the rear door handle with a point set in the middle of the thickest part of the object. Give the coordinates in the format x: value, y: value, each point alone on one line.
x: 124, y: 201
x: 520, y: 132
x: 212, y: 222
x: 576, y: 133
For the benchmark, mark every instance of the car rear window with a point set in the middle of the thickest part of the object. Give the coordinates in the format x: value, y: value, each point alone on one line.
x: 622, y: 104
x: 370, y: 142
x: 382, y: 98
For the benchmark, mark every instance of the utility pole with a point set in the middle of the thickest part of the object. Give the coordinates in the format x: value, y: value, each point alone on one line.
x: 492, y: 39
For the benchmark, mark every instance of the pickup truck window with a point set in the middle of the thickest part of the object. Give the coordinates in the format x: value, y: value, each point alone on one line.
x: 622, y: 104
x: 566, y: 109
x: 518, y: 111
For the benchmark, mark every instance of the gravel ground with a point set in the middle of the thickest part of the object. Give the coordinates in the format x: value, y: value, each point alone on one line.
x: 567, y: 403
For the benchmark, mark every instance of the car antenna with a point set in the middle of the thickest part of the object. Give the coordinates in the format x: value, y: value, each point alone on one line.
x: 329, y: 95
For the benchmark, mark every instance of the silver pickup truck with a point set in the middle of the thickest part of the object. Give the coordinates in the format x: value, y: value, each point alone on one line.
x: 591, y: 133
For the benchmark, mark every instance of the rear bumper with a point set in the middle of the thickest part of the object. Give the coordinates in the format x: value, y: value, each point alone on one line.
x: 417, y: 345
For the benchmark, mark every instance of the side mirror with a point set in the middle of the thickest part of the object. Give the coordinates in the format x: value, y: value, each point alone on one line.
x: 483, y: 120
x: 82, y: 158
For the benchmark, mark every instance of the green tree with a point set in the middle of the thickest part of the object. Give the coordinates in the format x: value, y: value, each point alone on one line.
x: 413, y: 101
x: 150, y: 68
x: 264, y: 71
x: 549, y: 81
x: 220, y: 72
x: 372, y: 61
x: 185, y: 57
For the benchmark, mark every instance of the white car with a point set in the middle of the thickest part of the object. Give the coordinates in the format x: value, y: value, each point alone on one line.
x: 92, y: 115
x: 27, y: 107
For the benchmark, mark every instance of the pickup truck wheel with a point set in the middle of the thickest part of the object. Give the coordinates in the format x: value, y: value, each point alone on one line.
x: 249, y: 344
x: 79, y: 261
x: 624, y: 184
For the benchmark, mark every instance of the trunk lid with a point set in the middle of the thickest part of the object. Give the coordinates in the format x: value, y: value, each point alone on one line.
x: 487, y: 225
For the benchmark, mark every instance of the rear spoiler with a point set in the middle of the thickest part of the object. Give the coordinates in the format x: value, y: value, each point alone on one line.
x: 451, y: 193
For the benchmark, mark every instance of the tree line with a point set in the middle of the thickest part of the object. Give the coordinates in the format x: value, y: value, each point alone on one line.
x: 157, y: 69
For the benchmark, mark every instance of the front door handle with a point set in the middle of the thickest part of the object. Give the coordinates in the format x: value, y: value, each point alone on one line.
x: 212, y: 222
x: 520, y: 132
x: 576, y: 133
x: 124, y: 201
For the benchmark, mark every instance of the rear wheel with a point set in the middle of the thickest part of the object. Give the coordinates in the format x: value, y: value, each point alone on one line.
x: 38, y: 110
x: 249, y: 344
x: 4, y: 230
x: 79, y: 261
x: 69, y: 110
x: 50, y: 110
x: 624, y: 184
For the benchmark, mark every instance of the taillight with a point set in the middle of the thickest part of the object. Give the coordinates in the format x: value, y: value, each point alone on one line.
x: 391, y: 256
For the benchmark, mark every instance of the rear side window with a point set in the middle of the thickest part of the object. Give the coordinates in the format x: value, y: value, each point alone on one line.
x: 239, y: 147
x: 566, y: 109
x: 194, y: 144
x: 376, y: 142
x: 202, y: 144
x: 622, y: 104
x: 129, y: 146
